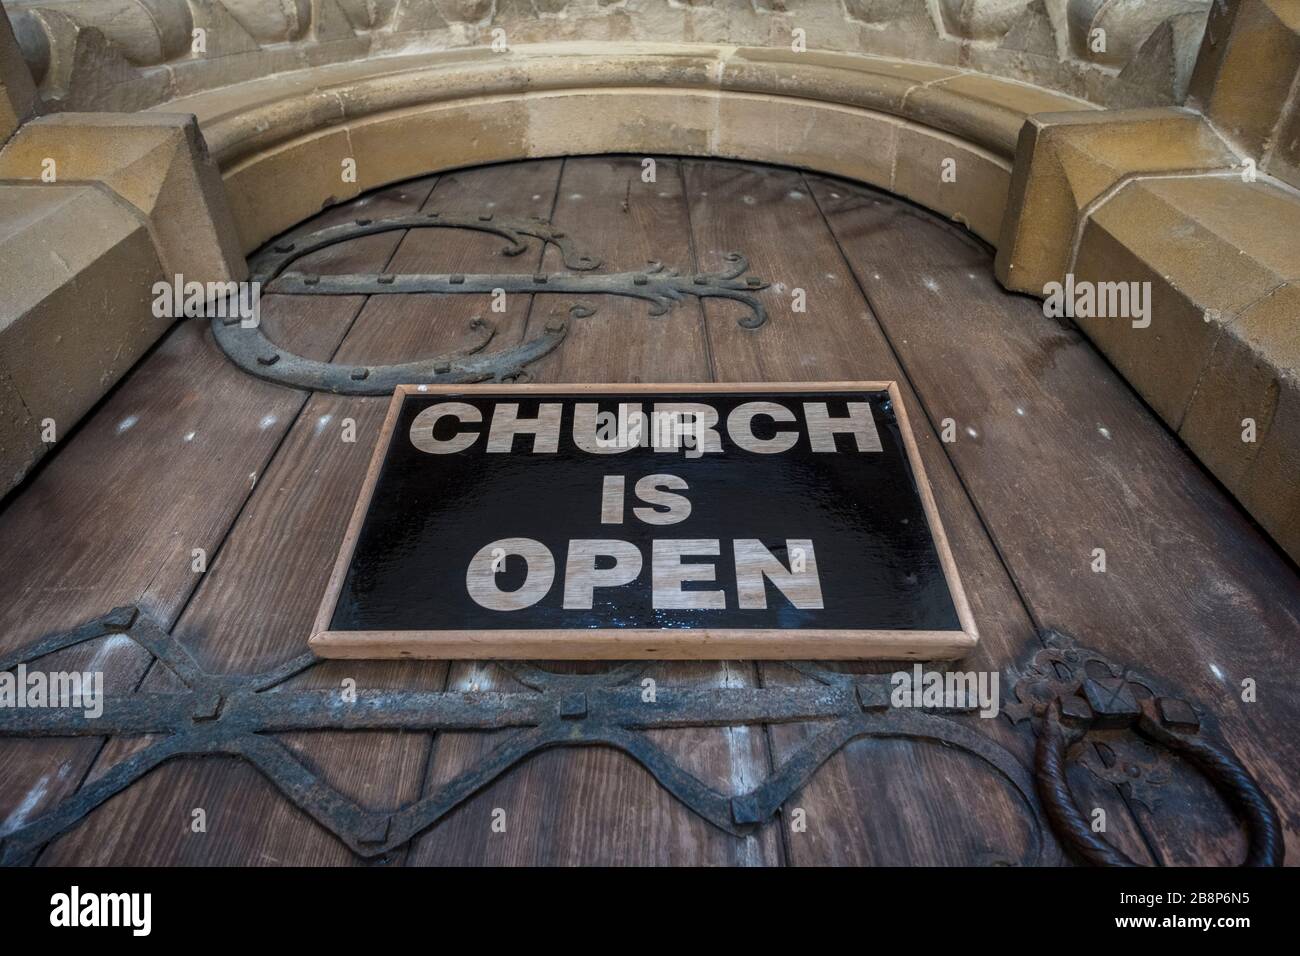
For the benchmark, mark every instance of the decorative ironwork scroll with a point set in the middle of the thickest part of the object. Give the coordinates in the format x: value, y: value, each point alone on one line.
x: 234, y: 715
x: 248, y: 346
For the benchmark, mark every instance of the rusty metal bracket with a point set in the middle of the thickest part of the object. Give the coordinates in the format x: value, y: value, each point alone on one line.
x: 248, y: 346
x: 1071, y: 694
x: 237, y: 716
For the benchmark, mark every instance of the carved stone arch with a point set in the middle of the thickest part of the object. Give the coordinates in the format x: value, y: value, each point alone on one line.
x: 996, y: 113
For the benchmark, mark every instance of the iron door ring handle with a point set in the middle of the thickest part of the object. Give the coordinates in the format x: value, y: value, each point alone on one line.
x: 1217, y: 763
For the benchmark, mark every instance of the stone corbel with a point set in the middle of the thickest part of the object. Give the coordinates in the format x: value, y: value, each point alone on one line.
x: 18, y: 99
x: 1183, y: 204
x: 94, y: 209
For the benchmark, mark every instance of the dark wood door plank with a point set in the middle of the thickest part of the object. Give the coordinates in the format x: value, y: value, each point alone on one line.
x: 295, y: 322
x: 1062, y: 458
x: 877, y: 801
x: 162, y: 467
x: 257, y: 604
x: 189, y: 445
x: 594, y: 805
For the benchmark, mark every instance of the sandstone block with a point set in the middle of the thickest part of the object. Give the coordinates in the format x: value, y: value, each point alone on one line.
x: 1066, y: 161
x: 290, y: 183
x: 985, y: 110
x: 780, y: 131
x: 157, y: 162
x: 1246, y: 71
x: 1210, y: 247
x: 18, y: 99
x: 870, y: 82
x: 1244, y: 420
x: 948, y: 175
x: 77, y: 265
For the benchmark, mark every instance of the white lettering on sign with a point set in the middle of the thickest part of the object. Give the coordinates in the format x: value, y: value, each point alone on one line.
x: 650, y: 489
x: 687, y: 425
x: 672, y: 426
x: 592, y: 428
x: 611, y: 500
x: 422, y: 428
x: 800, y: 584
x: 582, y: 577
x: 755, y: 565
x: 822, y: 429
x: 674, y: 562
x: 740, y: 425
x: 481, y: 577
x: 506, y: 424
x: 669, y: 573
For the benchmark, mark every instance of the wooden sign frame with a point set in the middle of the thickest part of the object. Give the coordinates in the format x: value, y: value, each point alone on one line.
x: 645, y: 643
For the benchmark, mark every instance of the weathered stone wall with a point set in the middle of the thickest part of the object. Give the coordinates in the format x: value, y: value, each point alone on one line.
x: 129, y: 201
x: 131, y: 54
x: 1112, y: 141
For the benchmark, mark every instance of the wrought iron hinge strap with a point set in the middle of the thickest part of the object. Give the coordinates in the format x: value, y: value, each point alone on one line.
x: 247, y: 345
x: 235, y: 714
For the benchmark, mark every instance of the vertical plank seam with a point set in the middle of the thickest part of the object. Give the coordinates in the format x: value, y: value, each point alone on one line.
x: 695, y: 267
x: 758, y: 668
x: 979, y: 513
x: 541, y: 256
x: 435, y: 739
x: 266, y: 464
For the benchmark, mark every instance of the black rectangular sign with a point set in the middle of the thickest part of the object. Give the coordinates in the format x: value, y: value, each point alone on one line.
x: 674, y: 521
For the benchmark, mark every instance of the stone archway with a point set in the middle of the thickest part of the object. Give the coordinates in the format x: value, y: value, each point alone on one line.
x: 1072, y: 156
